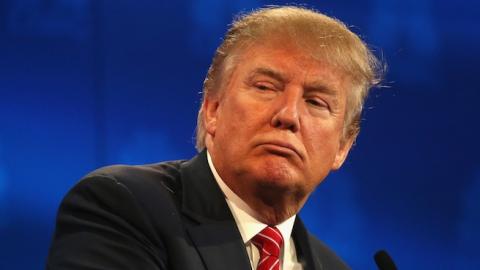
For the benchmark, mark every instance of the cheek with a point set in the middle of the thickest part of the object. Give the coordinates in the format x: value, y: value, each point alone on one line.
x: 322, y: 146
x: 243, y: 113
x: 231, y: 123
x: 232, y: 118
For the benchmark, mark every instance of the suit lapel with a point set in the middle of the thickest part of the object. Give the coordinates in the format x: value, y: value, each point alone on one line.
x: 303, y: 247
x: 220, y: 246
x: 211, y: 225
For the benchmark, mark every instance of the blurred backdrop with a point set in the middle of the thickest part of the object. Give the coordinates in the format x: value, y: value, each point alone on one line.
x: 86, y: 83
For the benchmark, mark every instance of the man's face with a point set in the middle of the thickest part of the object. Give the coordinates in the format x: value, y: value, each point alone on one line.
x: 278, y: 123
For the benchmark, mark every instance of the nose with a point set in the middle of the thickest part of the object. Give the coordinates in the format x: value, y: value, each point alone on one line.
x: 286, y: 114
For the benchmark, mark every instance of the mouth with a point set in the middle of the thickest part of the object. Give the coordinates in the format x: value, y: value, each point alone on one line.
x: 281, y: 148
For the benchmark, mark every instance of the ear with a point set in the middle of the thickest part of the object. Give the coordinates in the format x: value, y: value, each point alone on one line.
x: 210, y: 112
x: 345, y: 146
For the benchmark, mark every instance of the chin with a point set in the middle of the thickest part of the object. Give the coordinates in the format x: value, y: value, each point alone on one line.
x: 277, y: 172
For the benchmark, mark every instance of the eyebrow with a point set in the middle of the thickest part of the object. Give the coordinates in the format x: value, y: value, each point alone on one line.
x: 268, y: 72
x: 315, y: 86
x: 320, y: 87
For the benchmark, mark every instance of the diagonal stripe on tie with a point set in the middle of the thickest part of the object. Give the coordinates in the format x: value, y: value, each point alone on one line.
x: 269, y: 243
x: 277, y: 233
x: 273, y: 241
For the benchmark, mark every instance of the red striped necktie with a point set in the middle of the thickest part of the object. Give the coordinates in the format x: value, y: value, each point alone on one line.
x: 269, y: 243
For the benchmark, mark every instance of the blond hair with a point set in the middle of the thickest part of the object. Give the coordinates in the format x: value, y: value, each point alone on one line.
x: 328, y: 39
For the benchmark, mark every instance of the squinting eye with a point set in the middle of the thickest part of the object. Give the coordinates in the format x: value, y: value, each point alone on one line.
x: 263, y: 87
x: 317, y: 103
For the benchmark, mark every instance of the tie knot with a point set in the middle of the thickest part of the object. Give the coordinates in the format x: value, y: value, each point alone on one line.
x: 269, y: 242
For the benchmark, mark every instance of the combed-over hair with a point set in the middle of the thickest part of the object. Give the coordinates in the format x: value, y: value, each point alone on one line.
x: 326, y: 38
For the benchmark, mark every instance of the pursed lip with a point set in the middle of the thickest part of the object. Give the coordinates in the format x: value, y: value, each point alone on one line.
x: 283, y: 144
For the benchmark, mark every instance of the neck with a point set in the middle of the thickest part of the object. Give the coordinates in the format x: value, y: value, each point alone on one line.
x: 271, y: 205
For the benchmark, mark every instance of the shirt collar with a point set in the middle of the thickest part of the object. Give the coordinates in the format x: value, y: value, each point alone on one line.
x: 244, y: 216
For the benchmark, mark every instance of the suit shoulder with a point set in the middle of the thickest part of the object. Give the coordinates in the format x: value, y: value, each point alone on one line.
x: 142, y: 178
x: 140, y: 195
x: 154, y: 188
x: 325, y: 255
x: 121, y: 210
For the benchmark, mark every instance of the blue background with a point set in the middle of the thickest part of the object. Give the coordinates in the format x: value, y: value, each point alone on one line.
x: 86, y: 83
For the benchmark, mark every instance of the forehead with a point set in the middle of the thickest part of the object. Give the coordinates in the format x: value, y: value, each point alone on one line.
x: 287, y: 62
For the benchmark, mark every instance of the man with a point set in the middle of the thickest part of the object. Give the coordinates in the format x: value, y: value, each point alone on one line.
x: 281, y: 109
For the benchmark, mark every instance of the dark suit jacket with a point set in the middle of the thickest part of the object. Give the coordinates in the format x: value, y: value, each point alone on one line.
x: 169, y: 215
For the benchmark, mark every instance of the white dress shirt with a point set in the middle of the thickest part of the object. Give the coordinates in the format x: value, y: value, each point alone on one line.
x: 249, y: 226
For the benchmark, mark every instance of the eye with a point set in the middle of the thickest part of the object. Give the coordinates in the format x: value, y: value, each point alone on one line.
x: 264, y: 86
x: 317, y: 103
